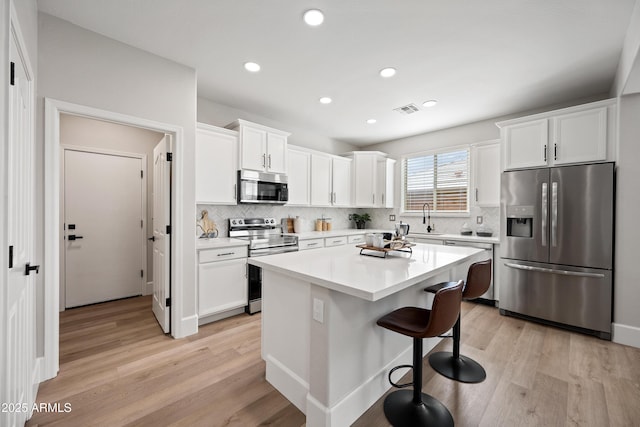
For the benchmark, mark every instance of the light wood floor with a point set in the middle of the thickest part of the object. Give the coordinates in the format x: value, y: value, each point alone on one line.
x: 118, y: 369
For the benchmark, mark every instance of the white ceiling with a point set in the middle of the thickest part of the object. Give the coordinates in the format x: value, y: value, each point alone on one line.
x: 479, y: 59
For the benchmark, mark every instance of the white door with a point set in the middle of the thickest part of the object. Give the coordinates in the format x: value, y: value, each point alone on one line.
x: 161, y: 238
x: 18, y: 380
x: 103, y: 216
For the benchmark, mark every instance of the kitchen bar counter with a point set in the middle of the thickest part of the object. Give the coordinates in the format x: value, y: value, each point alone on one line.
x: 495, y: 240
x: 322, y: 347
x: 343, y: 269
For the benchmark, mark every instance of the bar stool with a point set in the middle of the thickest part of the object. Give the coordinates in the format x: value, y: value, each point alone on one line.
x: 414, y: 408
x: 452, y: 364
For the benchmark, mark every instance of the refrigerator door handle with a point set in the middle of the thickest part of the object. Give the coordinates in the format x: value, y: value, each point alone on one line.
x: 544, y: 215
x: 554, y: 214
x: 552, y: 271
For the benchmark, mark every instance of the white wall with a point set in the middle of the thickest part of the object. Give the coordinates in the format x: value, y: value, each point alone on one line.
x: 215, y: 114
x: 83, y: 67
x: 85, y: 132
x: 626, y: 315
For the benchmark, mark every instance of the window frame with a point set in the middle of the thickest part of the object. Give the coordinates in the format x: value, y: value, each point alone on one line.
x: 442, y: 150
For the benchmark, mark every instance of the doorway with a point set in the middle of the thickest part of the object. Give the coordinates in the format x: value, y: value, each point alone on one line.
x: 54, y: 241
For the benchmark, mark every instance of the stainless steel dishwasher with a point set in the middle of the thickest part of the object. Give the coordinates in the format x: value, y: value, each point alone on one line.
x: 488, y: 247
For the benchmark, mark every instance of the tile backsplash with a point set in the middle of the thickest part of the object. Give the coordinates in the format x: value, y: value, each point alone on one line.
x: 221, y: 214
x: 340, y: 217
x: 447, y: 225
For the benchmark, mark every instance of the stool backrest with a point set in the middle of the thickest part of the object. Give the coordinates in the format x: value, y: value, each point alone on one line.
x: 478, y: 279
x: 444, y: 310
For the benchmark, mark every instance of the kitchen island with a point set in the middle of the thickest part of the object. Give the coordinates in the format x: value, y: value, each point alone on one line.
x: 322, y: 347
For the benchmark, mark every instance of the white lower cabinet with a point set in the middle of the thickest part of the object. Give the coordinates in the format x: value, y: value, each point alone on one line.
x: 357, y: 239
x: 310, y: 244
x: 335, y: 241
x: 222, y: 280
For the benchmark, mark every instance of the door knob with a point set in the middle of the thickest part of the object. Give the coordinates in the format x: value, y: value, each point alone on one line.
x: 152, y: 238
x: 28, y: 268
x: 74, y: 237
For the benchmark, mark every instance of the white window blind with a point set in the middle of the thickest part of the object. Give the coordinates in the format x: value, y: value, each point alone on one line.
x: 440, y: 179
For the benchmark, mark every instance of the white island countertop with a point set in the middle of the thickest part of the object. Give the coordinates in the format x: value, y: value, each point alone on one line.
x: 343, y: 269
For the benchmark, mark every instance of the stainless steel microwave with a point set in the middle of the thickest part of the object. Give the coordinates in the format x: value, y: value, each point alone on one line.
x: 262, y: 187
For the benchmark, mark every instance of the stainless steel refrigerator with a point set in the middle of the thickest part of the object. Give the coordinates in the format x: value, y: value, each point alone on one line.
x: 556, y: 244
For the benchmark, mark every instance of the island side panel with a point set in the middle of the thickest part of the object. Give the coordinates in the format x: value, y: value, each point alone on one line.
x: 350, y: 356
x: 286, y: 316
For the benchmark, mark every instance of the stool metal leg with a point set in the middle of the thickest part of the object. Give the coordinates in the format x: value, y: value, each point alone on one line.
x: 454, y: 365
x: 405, y: 408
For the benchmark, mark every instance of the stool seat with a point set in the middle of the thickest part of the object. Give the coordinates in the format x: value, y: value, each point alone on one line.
x: 412, y: 407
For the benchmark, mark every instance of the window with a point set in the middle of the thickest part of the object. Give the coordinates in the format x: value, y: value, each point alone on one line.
x: 440, y: 179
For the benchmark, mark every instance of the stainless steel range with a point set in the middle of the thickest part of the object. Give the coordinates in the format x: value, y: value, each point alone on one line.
x: 265, y: 237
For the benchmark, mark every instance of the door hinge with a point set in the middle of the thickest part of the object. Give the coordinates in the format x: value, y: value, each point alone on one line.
x: 167, y: 303
x: 141, y: 223
x: 12, y: 80
x: 168, y: 229
x: 141, y: 174
x: 169, y: 157
x: 141, y: 273
x: 10, y: 256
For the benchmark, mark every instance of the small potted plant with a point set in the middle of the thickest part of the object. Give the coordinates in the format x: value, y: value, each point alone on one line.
x: 361, y: 220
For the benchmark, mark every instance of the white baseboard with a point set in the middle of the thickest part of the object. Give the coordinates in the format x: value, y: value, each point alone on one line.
x: 352, y: 406
x: 625, y: 334
x: 294, y: 388
x: 219, y: 316
x: 148, y: 288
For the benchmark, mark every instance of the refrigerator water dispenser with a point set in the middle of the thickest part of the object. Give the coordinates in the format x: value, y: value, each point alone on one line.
x: 520, y: 221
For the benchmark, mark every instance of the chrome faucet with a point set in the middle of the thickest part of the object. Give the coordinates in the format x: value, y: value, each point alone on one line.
x: 424, y: 218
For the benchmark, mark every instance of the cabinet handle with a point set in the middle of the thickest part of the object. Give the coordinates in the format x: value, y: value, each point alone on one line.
x: 545, y: 152
x: 312, y: 244
x: 555, y: 151
x: 373, y: 199
x: 226, y: 253
x: 476, y: 194
x: 235, y: 191
x: 269, y: 161
x: 264, y: 159
x: 383, y: 199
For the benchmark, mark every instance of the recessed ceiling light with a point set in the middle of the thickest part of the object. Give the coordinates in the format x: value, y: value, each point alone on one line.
x: 252, y: 66
x: 429, y: 103
x: 388, y: 72
x: 325, y: 100
x: 371, y: 121
x: 313, y: 17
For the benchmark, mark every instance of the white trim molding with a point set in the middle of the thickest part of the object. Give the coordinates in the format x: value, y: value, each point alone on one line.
x: 625, y: 334
x: 53, y: 108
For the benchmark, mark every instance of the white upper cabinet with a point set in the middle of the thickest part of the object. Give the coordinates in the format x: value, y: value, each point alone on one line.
x: 373, y: 179
x: 321, y: 192
x: 364, y: 179
x: 384, y: 182
x: 581, y: 134
x: 486, y: 174
x: 341, y: 181
x: 299, y: 174
x: 318, y: 179
x: 262, y: 148
x: 216, y: 165
x: 526, y: 144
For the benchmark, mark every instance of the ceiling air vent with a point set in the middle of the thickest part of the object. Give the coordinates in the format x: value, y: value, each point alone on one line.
x: 407, y: 109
